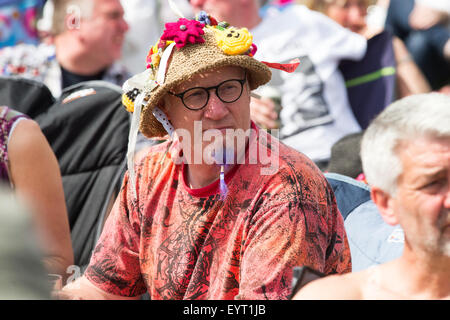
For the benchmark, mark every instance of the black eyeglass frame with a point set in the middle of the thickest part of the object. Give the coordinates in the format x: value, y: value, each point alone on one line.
x: 181, y: 94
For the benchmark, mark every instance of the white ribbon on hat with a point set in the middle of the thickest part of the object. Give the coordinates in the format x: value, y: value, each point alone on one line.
x: 140, y: 81
x: 162, y: 118
x: 161, y: 75
x: 132, y: 138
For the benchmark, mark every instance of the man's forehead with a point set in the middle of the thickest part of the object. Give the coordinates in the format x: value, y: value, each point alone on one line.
x: 414, y: 143
x: 107, y: 5
x: 425, y: 152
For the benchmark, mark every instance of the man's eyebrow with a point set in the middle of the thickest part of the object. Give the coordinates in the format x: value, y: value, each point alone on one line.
x: 432, y: 173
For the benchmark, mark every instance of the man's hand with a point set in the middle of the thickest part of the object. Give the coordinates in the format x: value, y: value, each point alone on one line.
x: 264, y: 112
x: 445, y: 90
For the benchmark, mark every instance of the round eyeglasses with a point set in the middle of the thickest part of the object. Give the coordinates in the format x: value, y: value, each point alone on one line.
x: 197, y: 98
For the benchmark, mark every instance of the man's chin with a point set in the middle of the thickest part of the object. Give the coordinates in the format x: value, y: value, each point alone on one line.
x: 115, y: 54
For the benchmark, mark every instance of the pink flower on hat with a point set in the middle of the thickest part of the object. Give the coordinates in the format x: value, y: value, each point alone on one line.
x: 184, y: 31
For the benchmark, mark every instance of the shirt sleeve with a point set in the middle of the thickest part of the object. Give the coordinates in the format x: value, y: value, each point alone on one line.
x: 114, y: 266
x: 330, y: 42
x: 293, y: 233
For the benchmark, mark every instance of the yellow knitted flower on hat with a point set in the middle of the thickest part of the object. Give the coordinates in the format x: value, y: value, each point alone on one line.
x: 233, y: 41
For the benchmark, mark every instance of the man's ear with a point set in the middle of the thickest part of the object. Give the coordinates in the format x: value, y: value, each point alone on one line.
x: 385, y: 204
x: 72, y: 19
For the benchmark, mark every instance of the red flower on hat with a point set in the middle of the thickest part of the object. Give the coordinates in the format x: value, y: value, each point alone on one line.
x: 184, y: 31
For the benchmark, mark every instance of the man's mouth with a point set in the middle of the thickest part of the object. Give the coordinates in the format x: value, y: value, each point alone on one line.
x: 118, y: 40
x: 446, y: 224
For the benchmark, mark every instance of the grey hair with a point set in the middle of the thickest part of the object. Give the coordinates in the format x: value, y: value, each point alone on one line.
x: 404, y: 120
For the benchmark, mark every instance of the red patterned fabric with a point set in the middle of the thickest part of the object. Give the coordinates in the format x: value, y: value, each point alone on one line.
x: 179, y: 243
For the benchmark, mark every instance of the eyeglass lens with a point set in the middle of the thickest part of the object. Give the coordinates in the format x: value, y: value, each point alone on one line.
x: 228, y: 91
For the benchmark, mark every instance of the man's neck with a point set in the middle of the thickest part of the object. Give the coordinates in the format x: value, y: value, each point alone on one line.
x: 199, y: 176
x: 73, y: 59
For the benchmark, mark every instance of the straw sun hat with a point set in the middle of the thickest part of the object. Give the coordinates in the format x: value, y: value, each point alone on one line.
x: 186, y: 48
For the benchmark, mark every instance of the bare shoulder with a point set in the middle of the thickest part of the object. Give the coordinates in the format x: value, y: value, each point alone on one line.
x: 333, y: 287
x: 26, y: 134
x: 27, y: 139
x: 29, y: 149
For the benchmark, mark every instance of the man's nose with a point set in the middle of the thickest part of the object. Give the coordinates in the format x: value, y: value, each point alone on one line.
x: 124, y: 25
x: 356, y: 16
x: 447, y: 196
x: 215, y: 109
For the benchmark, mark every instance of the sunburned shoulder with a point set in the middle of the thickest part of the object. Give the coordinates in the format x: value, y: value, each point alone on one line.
x: 334, y: 287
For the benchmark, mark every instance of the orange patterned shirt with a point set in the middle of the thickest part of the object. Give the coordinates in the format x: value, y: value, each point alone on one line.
x: 182, y: 243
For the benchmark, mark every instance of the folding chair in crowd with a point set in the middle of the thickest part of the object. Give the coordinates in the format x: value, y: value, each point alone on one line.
x: 372, y: 241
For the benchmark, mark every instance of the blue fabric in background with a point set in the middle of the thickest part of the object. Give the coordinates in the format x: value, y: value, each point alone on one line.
x: 372, y: 241
x: 18, y: 21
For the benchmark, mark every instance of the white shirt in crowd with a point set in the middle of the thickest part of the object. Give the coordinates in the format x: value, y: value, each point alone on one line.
x: 316, y: 112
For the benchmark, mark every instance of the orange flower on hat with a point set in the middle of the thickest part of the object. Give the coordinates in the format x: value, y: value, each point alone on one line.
x: 154, y: 55
x: 149, y: 58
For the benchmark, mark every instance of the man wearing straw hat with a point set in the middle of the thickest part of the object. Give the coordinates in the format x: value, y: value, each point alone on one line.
x: 221, y: 210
